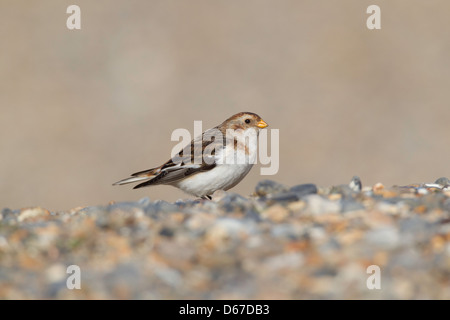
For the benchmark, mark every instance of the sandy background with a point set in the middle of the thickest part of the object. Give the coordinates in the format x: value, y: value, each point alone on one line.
x: 83, y: 109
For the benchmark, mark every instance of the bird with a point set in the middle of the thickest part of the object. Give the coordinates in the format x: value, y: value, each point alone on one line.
x: 228, y: 152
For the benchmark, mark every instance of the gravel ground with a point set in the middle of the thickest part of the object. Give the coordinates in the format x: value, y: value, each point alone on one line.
x: 299, y: 242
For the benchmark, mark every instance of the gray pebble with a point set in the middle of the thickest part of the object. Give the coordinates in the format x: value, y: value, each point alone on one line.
x: 355, y: 184
x: 343, y: 190
x: 349, y: 205
x: 414, y: 230
x: 154, y: 209
x: 330, y: 246
x: 443, y: 181
x: 409, y: 259
x: 286, y: 230
x: 7, y: 215
x: 284, y: 197
x: 124, y: 206
x: 92, y: 210
x: 325, y: 271
x: 302, y: 190
x: 144, y: 201
x: 384, y: 237
x: 349, y: 190
x: 252, y: 215
x: 446, y: 205
x: 231, y: 201
x: 266, y: 187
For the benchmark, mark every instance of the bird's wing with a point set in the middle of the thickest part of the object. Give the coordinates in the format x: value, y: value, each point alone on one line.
x: 198, y: 156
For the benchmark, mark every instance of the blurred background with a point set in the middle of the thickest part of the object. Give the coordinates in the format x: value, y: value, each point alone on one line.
x: 83, y: 109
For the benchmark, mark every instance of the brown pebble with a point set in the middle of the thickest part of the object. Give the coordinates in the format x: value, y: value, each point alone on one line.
x: 377, y: 187
x: 32, y: 213
x: 275, y: 213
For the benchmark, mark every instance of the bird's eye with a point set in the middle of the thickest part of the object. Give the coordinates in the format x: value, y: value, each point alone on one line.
x: 247, y: 120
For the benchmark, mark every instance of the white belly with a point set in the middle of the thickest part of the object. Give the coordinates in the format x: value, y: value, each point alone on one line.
x: 221, y: 177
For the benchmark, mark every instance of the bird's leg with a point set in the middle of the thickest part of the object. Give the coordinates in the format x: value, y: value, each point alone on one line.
x: 206, y: 197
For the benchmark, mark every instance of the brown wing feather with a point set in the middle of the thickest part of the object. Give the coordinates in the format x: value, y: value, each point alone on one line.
x: 188, y: 161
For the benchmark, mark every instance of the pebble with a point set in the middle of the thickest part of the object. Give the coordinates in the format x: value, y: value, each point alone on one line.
x: 32, y: 213
x: 299, y: 242
x: 283, y: 197
x: 291, y: 231
x: 347, y: 206
x: 266, y: 187
x: 291, y: 260
x: 317, y: 205
x: 443, y: 182
x: 302, y: 190
x: 344, y: 191
x: 347, y: 190
x: 355, y: 184
x: 276, y: 213
x: 232, y: 200
x: 56, y: 272
x: 378, y: 187
x: 383, y: 237
x: 253, y: 215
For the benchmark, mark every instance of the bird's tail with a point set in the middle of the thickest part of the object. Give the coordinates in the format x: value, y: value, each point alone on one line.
x: 138, y: 176
x: 130, y: 180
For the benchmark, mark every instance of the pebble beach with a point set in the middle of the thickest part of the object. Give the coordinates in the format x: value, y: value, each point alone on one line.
x: 281, y: 242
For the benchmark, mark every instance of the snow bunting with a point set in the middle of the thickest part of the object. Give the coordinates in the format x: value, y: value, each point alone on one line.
x: 217, y: 160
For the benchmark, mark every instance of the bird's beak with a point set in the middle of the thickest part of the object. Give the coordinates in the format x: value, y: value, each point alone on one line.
x: 262, y: 124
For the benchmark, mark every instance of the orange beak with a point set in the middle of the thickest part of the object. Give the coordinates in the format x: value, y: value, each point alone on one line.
x: 262, y: 124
